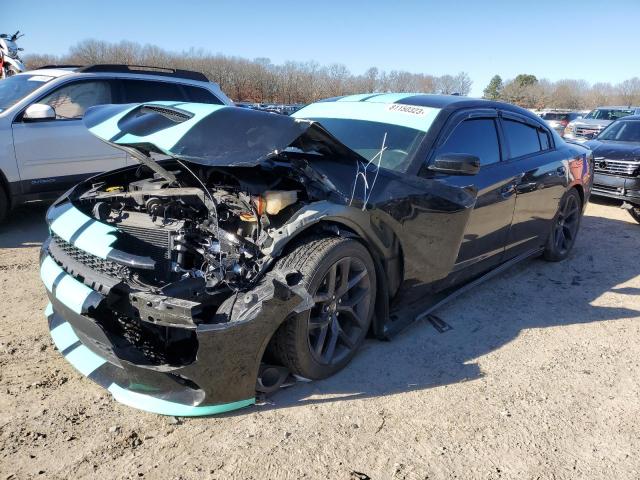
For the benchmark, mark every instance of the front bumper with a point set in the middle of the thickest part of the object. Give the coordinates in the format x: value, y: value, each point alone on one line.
x: 618, y: 187
x: 217, y: 364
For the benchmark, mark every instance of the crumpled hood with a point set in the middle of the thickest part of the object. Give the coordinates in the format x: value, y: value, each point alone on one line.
x: 216, y: 135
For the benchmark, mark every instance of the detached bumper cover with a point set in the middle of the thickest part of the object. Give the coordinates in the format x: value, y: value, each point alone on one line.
x: 163, y: 392
x: 220, y: 365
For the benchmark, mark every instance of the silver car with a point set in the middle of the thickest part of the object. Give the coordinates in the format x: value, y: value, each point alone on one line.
x: 559, y: 119
x: 44, y: 146
x: 588, y: 127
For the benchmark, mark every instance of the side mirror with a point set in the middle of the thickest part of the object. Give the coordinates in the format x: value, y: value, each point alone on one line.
x: 456, y: 164
x: 39, y: 111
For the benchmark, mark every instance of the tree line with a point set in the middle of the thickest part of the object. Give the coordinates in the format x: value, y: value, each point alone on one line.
x: 259, y: 80
x: 528, y: 91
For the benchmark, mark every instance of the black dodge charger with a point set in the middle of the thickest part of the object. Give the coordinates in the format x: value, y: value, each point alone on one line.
x: 247, y: 245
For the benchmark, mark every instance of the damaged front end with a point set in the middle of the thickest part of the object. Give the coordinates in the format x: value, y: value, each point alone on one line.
x: 159, y: 275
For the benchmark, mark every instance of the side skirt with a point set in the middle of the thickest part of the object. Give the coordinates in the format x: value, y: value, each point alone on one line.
x: 441, y: 298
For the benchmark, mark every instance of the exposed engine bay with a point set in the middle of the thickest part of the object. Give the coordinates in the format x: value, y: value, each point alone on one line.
x: 205, y: 231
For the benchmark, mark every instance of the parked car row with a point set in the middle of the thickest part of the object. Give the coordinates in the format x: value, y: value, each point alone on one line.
x: 283, y: 109
x: 580, y: 126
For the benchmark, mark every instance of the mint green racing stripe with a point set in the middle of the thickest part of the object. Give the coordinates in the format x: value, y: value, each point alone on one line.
x: 49, y: 271
x: 109, y: 128
x: 64, y: 336
x: 69, y: 291
x: 95, y: 237
x: 165, y: 407
x: 72, y: 293
x: 391, y: 97
x: 355, y: 98
x: 84, y: 360
x: 370, y: 111
x: 164, y: 139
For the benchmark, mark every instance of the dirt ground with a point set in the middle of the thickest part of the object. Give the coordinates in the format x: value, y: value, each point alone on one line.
x: 538, y: 378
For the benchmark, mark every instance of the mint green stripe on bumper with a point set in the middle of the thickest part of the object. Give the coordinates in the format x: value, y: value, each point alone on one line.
x: 89, y: 364
x: 63, y: 335
x: 67, y: 290
x: 82, y: 231
x: 164, y: 407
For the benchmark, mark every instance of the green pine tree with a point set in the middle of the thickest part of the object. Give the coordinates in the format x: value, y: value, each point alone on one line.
x: 494, y: 89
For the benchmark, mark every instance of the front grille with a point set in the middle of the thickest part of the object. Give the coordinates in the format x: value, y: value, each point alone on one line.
x: 104, y: 267
x: 617, y: 167
x: 587, y: 131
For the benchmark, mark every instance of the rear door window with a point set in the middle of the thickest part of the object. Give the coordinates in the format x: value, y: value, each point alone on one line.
x: 523, y: 139
x: 477, y: 137
x: 139, y: 91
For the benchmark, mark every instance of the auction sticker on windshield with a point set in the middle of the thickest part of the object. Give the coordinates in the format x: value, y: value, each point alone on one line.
x: 410, y: 109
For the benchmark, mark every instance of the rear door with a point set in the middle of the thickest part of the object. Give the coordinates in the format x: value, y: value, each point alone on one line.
x: 486, y: 232
x: 542, y: 179
x: 52, y: 155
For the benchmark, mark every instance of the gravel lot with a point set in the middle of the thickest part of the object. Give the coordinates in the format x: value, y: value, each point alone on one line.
x: 538, y: 378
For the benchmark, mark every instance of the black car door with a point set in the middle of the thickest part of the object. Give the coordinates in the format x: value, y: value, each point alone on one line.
x: 477, y: 133
x: 541, y: 181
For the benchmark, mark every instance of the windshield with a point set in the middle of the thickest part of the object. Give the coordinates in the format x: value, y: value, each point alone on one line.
x: 607, y: 114
x: 14, y: 89
x: 625, y: 131
x: 365, y: 138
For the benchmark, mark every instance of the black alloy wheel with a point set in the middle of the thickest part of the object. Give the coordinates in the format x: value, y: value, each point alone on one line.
x: 340, y: 275
x: 337, y: 320
x: 565, y: 227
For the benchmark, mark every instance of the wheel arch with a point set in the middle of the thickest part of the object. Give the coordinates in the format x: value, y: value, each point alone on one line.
x: 387, y: 254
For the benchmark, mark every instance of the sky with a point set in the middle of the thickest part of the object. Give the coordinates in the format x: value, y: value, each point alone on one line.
x: 591, y: 40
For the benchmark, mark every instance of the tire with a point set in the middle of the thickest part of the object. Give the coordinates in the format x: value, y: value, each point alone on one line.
x: 635, y: 213
x: 565, y: 227
x: 320, y: 342
x: 4, y: 204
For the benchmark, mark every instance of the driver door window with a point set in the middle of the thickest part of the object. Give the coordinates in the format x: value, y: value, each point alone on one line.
x: 477, y: 137
x: 72, y: 100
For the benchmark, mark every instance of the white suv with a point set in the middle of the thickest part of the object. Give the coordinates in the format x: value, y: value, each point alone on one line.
x: 44, y: 146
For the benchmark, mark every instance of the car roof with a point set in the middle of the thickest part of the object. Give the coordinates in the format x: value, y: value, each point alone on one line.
x: 49, y: 72
x: 67, y: 70
x: 450, y: 102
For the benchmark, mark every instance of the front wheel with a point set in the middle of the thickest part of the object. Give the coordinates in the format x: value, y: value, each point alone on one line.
x: 635, y: 213
x: 565, y: 227
x: 340, y: 275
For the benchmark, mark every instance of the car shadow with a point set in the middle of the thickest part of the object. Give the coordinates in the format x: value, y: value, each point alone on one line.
x: 534, y: 294
x: 25, y: 226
